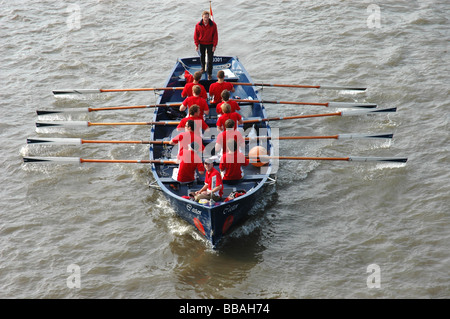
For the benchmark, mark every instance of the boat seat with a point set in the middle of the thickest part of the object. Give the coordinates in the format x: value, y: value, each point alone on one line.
x: 173, y: 181
x: 252, y: 177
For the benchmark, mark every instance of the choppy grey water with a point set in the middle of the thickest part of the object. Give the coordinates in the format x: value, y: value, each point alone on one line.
x: 329, y: 229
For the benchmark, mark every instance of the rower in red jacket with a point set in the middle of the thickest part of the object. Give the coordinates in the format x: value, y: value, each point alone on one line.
x: 187, y: 90
x: 226, y: 99
x: 227, y: 114
x: 196, y: 99
x: 216, y: 88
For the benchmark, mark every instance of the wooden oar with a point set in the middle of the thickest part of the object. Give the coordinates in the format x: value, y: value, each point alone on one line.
x: 304, y: 86
x: 110, y: 108
x: 337, y: 137
x: 342, y: 113
x: 94, y: 91
x: 327, y: 104
x: 79, y: 141
x: 87, y: 124
x: 264, y: 158
x: 83, y: 160
x: 254, y: 158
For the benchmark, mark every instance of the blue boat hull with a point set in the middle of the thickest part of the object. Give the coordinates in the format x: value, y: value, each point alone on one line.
x: 212, y: 220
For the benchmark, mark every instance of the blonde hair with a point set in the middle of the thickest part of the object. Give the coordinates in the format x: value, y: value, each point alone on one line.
x: 226, y: 108
x: 196, y: 89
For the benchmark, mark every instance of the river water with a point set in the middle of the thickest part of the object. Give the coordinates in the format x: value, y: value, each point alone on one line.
x: 327, y: 229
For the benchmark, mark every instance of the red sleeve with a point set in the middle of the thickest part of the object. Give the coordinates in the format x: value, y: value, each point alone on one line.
x: 216, y: 35
x: 188, y: 77
x: 234, y: 105
x: 204, y: 125
x: 182, y: 123
x: 219, y: 108
x: 219, y: 122
x: 178, y: 138
x: 205, y: 106
x: 196, y: 34
x: 222, y: 162
x: 203, y: 93
x: 186, y: 89
x: 200, y: 167
x: 211, y: 88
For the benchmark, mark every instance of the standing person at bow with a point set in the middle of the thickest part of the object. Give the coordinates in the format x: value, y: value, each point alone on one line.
x: 205, y: 39
x: 216, y: 88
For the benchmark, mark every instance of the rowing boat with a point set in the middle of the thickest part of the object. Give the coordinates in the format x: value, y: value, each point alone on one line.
x: 213, y: 220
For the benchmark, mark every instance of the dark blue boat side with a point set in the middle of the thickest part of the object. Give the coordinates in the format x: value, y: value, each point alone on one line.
x: 212, y: 219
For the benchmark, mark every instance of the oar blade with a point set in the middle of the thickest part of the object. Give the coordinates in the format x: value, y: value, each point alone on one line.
x: 348, y: 104
x: 62, y: 123
x: 351, y: 136
x: 51, y: 159
x: 367, y: 112
x: 342, y: 88
x: 78, y: 91
x: 69, y: 110
x: 378, y: 159
x: 56, y: 141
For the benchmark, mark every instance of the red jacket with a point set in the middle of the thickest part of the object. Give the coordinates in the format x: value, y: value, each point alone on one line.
x: 216, y: 88
x: 201, y: 102
x: 187, y: 91
x: 231, y: 164
x: 206, y: 34
x: 234, y: 106
x: 236, y: 117
x: 190, y: 162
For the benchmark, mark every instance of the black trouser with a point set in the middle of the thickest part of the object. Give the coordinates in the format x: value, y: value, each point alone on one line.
x: 208, y: 48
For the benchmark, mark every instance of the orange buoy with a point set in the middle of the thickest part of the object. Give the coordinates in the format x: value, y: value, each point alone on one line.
x: 254, y: 155
x: 199, y: 226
